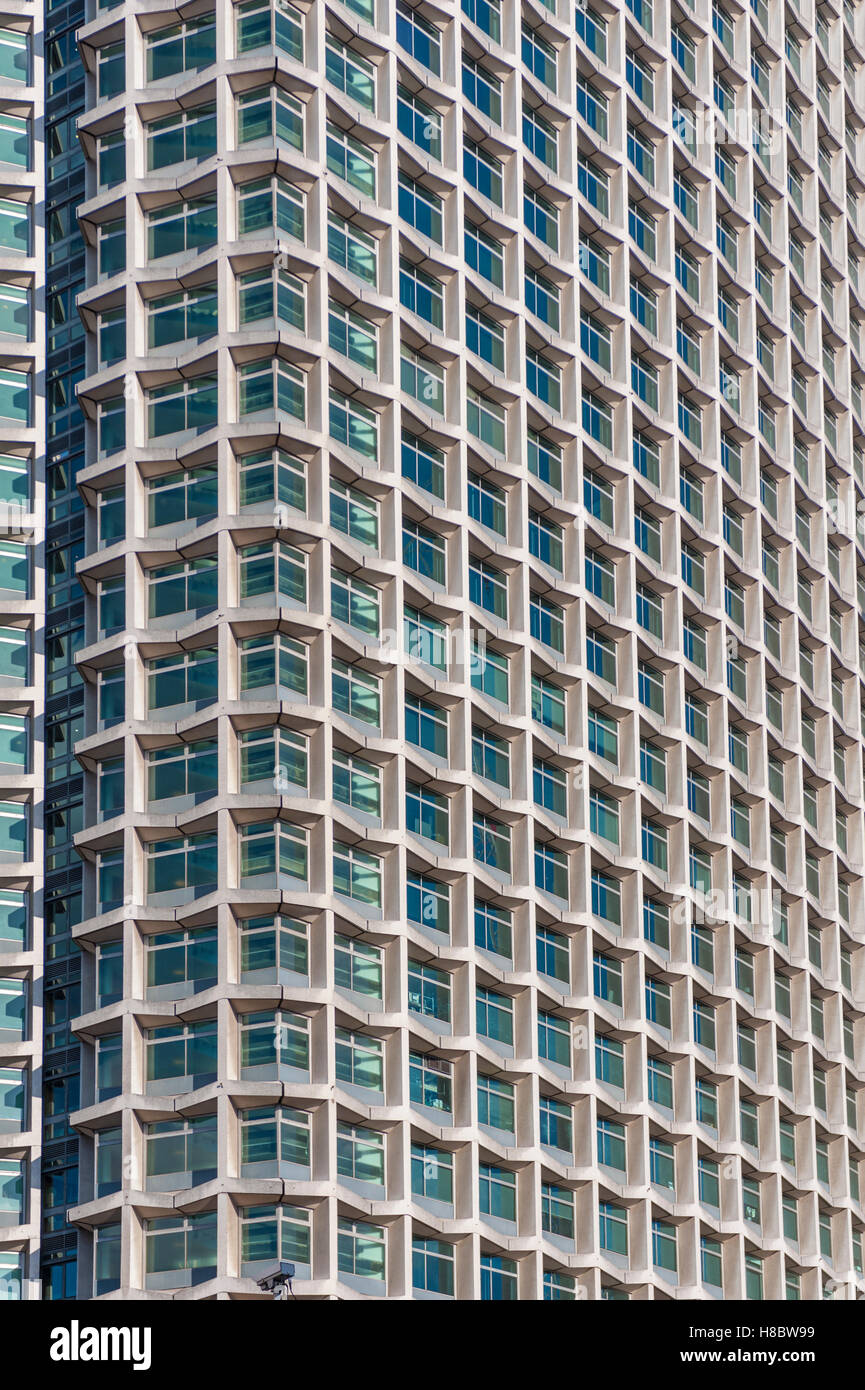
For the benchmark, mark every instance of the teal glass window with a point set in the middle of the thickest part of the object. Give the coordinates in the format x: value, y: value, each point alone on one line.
x: 182, y: 136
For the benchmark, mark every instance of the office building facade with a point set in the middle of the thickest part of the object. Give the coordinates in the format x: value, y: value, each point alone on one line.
x: 443, y: 789
x: 22, y: 645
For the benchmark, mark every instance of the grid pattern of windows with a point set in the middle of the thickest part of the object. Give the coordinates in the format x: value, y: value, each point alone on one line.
x: 394, y: 798
x: 36, y: 823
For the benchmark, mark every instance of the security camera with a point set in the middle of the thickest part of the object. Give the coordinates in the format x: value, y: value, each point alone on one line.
x: 276, y: 1279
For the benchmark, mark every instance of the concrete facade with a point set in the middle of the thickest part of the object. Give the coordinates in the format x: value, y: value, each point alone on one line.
x: 473, y: 778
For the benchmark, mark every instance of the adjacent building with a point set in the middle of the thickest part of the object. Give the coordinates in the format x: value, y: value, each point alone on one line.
x: 23, y: 578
